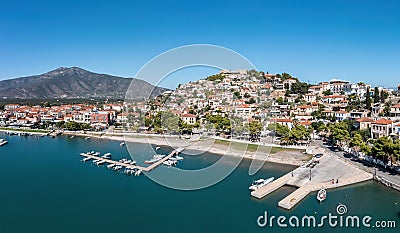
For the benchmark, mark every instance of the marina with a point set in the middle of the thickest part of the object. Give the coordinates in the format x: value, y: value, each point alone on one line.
x: 129, y: 164
x: 318, y: 174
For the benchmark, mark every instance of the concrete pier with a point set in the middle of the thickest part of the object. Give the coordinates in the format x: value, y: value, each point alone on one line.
x: 329, y: 172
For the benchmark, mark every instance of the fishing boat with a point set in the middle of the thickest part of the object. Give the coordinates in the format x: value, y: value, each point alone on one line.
x: 321, y: 195
x: 260, y: 183
x: 3, y: 142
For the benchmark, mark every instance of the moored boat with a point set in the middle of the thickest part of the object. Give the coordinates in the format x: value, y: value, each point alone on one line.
x: 3, y: 142
x: 321, y: 195
x: 260, y: 183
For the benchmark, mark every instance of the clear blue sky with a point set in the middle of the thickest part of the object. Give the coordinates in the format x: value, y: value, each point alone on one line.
x: 313, y: 40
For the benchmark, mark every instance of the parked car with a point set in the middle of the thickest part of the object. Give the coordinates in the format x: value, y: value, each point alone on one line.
x: 318, y: 155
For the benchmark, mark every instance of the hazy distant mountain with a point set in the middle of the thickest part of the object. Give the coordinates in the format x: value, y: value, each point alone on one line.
x: 75, y: 82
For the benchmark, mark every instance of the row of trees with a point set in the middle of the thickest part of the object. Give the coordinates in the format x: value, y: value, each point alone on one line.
x: 344, y: 134
x: 297, y: 135
x: 72, y: 125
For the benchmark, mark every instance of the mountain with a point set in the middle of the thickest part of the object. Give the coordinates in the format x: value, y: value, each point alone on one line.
x: 75, y: 82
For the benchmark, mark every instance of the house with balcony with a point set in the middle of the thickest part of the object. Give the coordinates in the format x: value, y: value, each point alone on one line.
x: 381, y: 128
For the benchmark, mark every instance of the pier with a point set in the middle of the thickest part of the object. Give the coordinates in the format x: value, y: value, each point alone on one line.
x: 131, y: 166
x: 328, y: 172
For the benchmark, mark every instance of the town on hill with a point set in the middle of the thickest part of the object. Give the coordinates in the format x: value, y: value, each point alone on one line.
x: 243, y: 105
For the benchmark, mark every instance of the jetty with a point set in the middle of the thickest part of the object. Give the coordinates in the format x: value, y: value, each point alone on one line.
x: 102, y: 160
x: 327, y: 172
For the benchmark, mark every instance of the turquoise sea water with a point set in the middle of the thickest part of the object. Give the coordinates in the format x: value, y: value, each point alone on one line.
x: 44, y: 187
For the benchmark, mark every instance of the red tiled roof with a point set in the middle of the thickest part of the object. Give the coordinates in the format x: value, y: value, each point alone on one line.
x: 382, y: 121
x: 364, y: 119
x: 281, y: 120
x: 188, y: 115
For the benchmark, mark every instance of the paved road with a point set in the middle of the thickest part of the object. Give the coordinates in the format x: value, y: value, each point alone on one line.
x: 394, y: 178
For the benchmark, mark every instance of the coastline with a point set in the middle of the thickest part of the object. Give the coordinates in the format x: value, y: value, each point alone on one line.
x: 286, y: 156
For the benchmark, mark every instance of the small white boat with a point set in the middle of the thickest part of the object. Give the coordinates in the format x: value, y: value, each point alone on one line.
x: 3, y: 142
x: 157, y: 148
x: 154, y: 159
x: 138, y: 172
x: 260, y: 183
x: 122, y: 144
x: 86, y: 159
x: 72, y: 136
x: 169, y: 163
x: 321, y: 195
x: 106, y: 155
x: 87, y: 138
x: 110, y: 165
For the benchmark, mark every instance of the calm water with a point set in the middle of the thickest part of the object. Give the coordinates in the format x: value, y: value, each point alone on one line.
x: 45, y: 188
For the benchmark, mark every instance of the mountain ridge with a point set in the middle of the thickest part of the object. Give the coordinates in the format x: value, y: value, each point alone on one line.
x: 75, y: 82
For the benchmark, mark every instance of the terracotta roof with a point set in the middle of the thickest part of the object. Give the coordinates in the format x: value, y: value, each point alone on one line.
x: 365, y: 119
x: 188, y: 115
x: 382, y: 121
x: 305, y: 123
x: 281, y: 120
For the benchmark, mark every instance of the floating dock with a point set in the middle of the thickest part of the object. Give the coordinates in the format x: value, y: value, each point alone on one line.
x: 131, y: 166
x: 329, y: 172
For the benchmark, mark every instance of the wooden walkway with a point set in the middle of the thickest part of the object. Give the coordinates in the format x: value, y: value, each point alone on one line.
x: 130, y: 166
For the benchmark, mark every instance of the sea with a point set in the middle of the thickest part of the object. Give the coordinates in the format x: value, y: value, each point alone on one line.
x: 45, y: 187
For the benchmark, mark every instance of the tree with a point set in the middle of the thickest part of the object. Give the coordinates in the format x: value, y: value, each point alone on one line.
x: 169, y: 121
x: 339, y: 132
x: 237, y: 94
x: 386, y: 149
x: 384, y: 96
x: 367, y: 99
x: 377, y: 98
x: 299, y: 132
x: 251, y: 101
x: 327, y: 92
x: 255, y: 128
x: 215, y: 77
x: 280, y: 100
x: 299, y: 88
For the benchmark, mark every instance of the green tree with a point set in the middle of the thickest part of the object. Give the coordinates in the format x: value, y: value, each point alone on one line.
x: 368, y: 99
x: 255, y: 128
x: 377, y: 97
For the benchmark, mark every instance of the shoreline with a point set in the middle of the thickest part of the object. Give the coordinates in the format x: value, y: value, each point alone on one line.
x: 286, y: 156
x: 280, y: 155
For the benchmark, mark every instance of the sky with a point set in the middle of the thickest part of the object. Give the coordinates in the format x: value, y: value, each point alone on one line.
x: 312, y: 40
